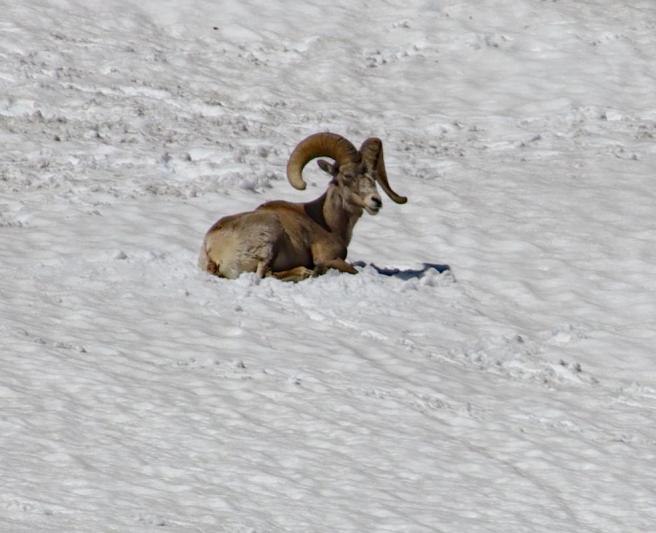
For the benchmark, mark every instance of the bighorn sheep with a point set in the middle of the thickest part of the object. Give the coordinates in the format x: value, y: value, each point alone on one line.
x: 293, y: 241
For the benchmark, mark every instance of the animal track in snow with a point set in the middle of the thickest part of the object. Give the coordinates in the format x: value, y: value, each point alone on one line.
x: 386, y: 56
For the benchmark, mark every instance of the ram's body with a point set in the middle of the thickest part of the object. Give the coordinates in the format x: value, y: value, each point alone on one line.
x: 293, y: 241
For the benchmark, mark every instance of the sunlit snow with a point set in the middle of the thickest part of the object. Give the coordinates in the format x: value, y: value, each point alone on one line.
x: 515, y: 392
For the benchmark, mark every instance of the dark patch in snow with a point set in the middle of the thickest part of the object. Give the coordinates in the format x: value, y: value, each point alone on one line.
x: 406, y: 274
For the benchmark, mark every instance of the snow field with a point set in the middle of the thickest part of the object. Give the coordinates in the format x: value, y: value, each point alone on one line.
x: 515, y: 392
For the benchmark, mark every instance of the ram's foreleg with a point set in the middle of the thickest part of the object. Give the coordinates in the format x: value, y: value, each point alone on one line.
x: 294, y: 274
x: 337, y: 264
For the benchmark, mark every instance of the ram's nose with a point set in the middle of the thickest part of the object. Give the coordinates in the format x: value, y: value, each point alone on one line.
x: 373, y: 204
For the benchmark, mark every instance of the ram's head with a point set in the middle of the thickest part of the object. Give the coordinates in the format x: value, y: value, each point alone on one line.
x: 354, y: 172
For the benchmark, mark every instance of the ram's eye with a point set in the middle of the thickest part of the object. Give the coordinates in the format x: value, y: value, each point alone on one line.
x: 348, y: 177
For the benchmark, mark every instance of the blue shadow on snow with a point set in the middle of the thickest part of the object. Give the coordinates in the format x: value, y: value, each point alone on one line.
x: 406, y: 274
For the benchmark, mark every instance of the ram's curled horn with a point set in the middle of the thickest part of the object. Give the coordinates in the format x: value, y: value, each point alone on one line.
x: 372, y: 153
x: 319, y: 145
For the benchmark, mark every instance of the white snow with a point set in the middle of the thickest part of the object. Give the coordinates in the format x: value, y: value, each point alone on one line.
x: 515, y: 393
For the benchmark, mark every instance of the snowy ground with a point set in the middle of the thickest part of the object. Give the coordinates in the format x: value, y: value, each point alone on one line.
x: 516, y: 393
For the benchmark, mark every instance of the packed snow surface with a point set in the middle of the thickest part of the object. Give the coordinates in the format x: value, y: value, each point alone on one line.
x: 515, y: 392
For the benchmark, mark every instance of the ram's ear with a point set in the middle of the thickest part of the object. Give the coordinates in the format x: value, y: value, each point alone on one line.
x: 330, y: 168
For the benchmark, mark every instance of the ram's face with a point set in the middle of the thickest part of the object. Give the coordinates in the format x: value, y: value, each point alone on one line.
x: 361, y: 185
x: 358, y: 183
